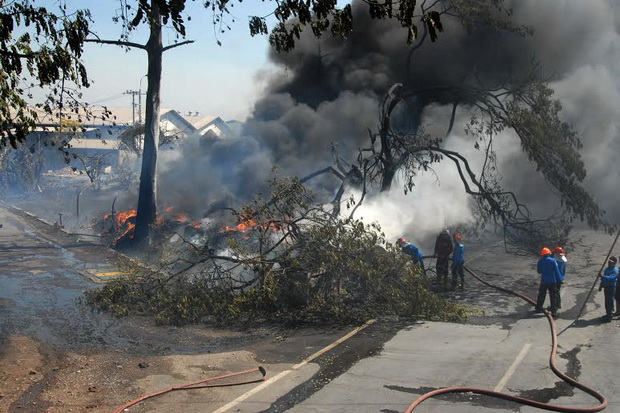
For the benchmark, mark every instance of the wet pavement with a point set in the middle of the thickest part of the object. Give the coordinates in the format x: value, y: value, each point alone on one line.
x: 41, y: 286
x: 45, y: 272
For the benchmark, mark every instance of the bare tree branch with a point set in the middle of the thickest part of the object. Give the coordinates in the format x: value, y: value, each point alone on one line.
x: 117, y: 43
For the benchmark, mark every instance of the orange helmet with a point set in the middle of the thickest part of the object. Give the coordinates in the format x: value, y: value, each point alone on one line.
x: 401, y: 240
x: 545, y: 251
x: 559, y: 250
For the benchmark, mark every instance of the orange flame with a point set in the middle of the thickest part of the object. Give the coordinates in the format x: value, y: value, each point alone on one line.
x: 248, y: 224
x: 244, y: 226
x: 123, y: 220
x: 170, y: 213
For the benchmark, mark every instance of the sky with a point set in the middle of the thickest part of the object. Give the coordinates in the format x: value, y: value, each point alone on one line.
x: 200, y: 77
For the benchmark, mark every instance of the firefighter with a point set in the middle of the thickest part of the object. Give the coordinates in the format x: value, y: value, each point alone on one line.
x: 617, y: 313
x: 458, y: 261
x: 560, y: 258
x: 549, y: 278
x: 443, y: 249
x: 609, y: 279
x: 413, y: 251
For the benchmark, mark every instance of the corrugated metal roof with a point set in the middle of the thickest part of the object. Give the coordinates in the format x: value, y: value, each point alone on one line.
x: 94, y: 116
x: 173, y: 121
x: 94, y: 144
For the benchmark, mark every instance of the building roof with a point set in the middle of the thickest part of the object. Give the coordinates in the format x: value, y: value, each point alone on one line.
x: 94, y: 116
x: 78, y: 144
x: 98, y: 117
x: 202, y: 121
x: 174, y: 123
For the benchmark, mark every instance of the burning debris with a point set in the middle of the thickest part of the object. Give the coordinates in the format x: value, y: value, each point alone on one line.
x: 122, y: 223
x: 119, y: 226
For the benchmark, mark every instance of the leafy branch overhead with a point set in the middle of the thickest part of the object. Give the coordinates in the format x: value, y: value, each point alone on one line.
x: 323, y: 15
x: 39, y: 46
x: 529, y: 109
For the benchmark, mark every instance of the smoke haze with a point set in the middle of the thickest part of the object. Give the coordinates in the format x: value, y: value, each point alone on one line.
x: 327, y: 93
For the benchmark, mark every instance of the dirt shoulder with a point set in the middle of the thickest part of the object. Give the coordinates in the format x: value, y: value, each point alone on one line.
x: 38, y: 378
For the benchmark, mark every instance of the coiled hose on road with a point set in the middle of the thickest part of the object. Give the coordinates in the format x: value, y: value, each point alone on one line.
x: 545, y: 406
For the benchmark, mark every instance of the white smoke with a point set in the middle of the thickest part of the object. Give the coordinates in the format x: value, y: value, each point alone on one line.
x: 437, y: 201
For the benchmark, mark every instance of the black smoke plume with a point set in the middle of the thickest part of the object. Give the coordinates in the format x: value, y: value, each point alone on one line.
x: 326, y: 94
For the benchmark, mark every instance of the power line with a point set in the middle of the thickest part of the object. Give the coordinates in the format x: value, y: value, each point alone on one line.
x: 108, y: 98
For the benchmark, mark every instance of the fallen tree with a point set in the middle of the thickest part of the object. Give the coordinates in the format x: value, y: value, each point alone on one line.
x: 288, y: 259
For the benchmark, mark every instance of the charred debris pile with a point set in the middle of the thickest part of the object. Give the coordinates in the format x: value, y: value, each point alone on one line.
x: 286, y: 259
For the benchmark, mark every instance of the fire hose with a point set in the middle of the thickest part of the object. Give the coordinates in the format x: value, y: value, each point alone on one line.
x: 200, y: 384
x: 544, y: 406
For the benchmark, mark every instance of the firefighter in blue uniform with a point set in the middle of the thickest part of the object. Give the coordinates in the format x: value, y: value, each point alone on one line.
x: 413, y: 251
x: 609, y: 279
x: 458, y: 261
x: 549, y: 279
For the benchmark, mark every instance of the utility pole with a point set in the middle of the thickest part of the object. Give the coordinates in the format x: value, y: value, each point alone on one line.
x: 133, y: 94
x: 140, y: 100
x: 140, y: 107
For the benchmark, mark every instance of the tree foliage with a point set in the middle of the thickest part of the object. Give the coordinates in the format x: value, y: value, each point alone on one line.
x: 529, y: 109
x: 21, y: 168
x: 38, y: 48
x: 322, y: 16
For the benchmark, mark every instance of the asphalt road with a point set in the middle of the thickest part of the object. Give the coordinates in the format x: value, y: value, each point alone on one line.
x: 380, y: 368
x: 506, y: 348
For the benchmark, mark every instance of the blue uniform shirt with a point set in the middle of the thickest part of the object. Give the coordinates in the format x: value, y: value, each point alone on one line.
x: 458, y: 257
x: 413, y: 251
x: 549, y: 270
x: 562, y: 266
x: 609, y: 277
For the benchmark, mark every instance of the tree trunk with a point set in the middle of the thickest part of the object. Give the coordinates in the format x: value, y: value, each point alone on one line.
x: 387, y: 159
x: 147, y: 200
x: 389, y: 172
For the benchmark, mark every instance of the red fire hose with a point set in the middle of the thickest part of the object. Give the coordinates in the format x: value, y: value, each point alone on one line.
x: 545, y: 406
x: 200, y: 385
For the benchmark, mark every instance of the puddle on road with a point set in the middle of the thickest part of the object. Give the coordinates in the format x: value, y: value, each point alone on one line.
x: 48, y: 308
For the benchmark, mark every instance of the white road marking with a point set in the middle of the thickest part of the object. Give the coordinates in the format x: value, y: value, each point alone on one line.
x: 278, y: 376
x: 513, y: 367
